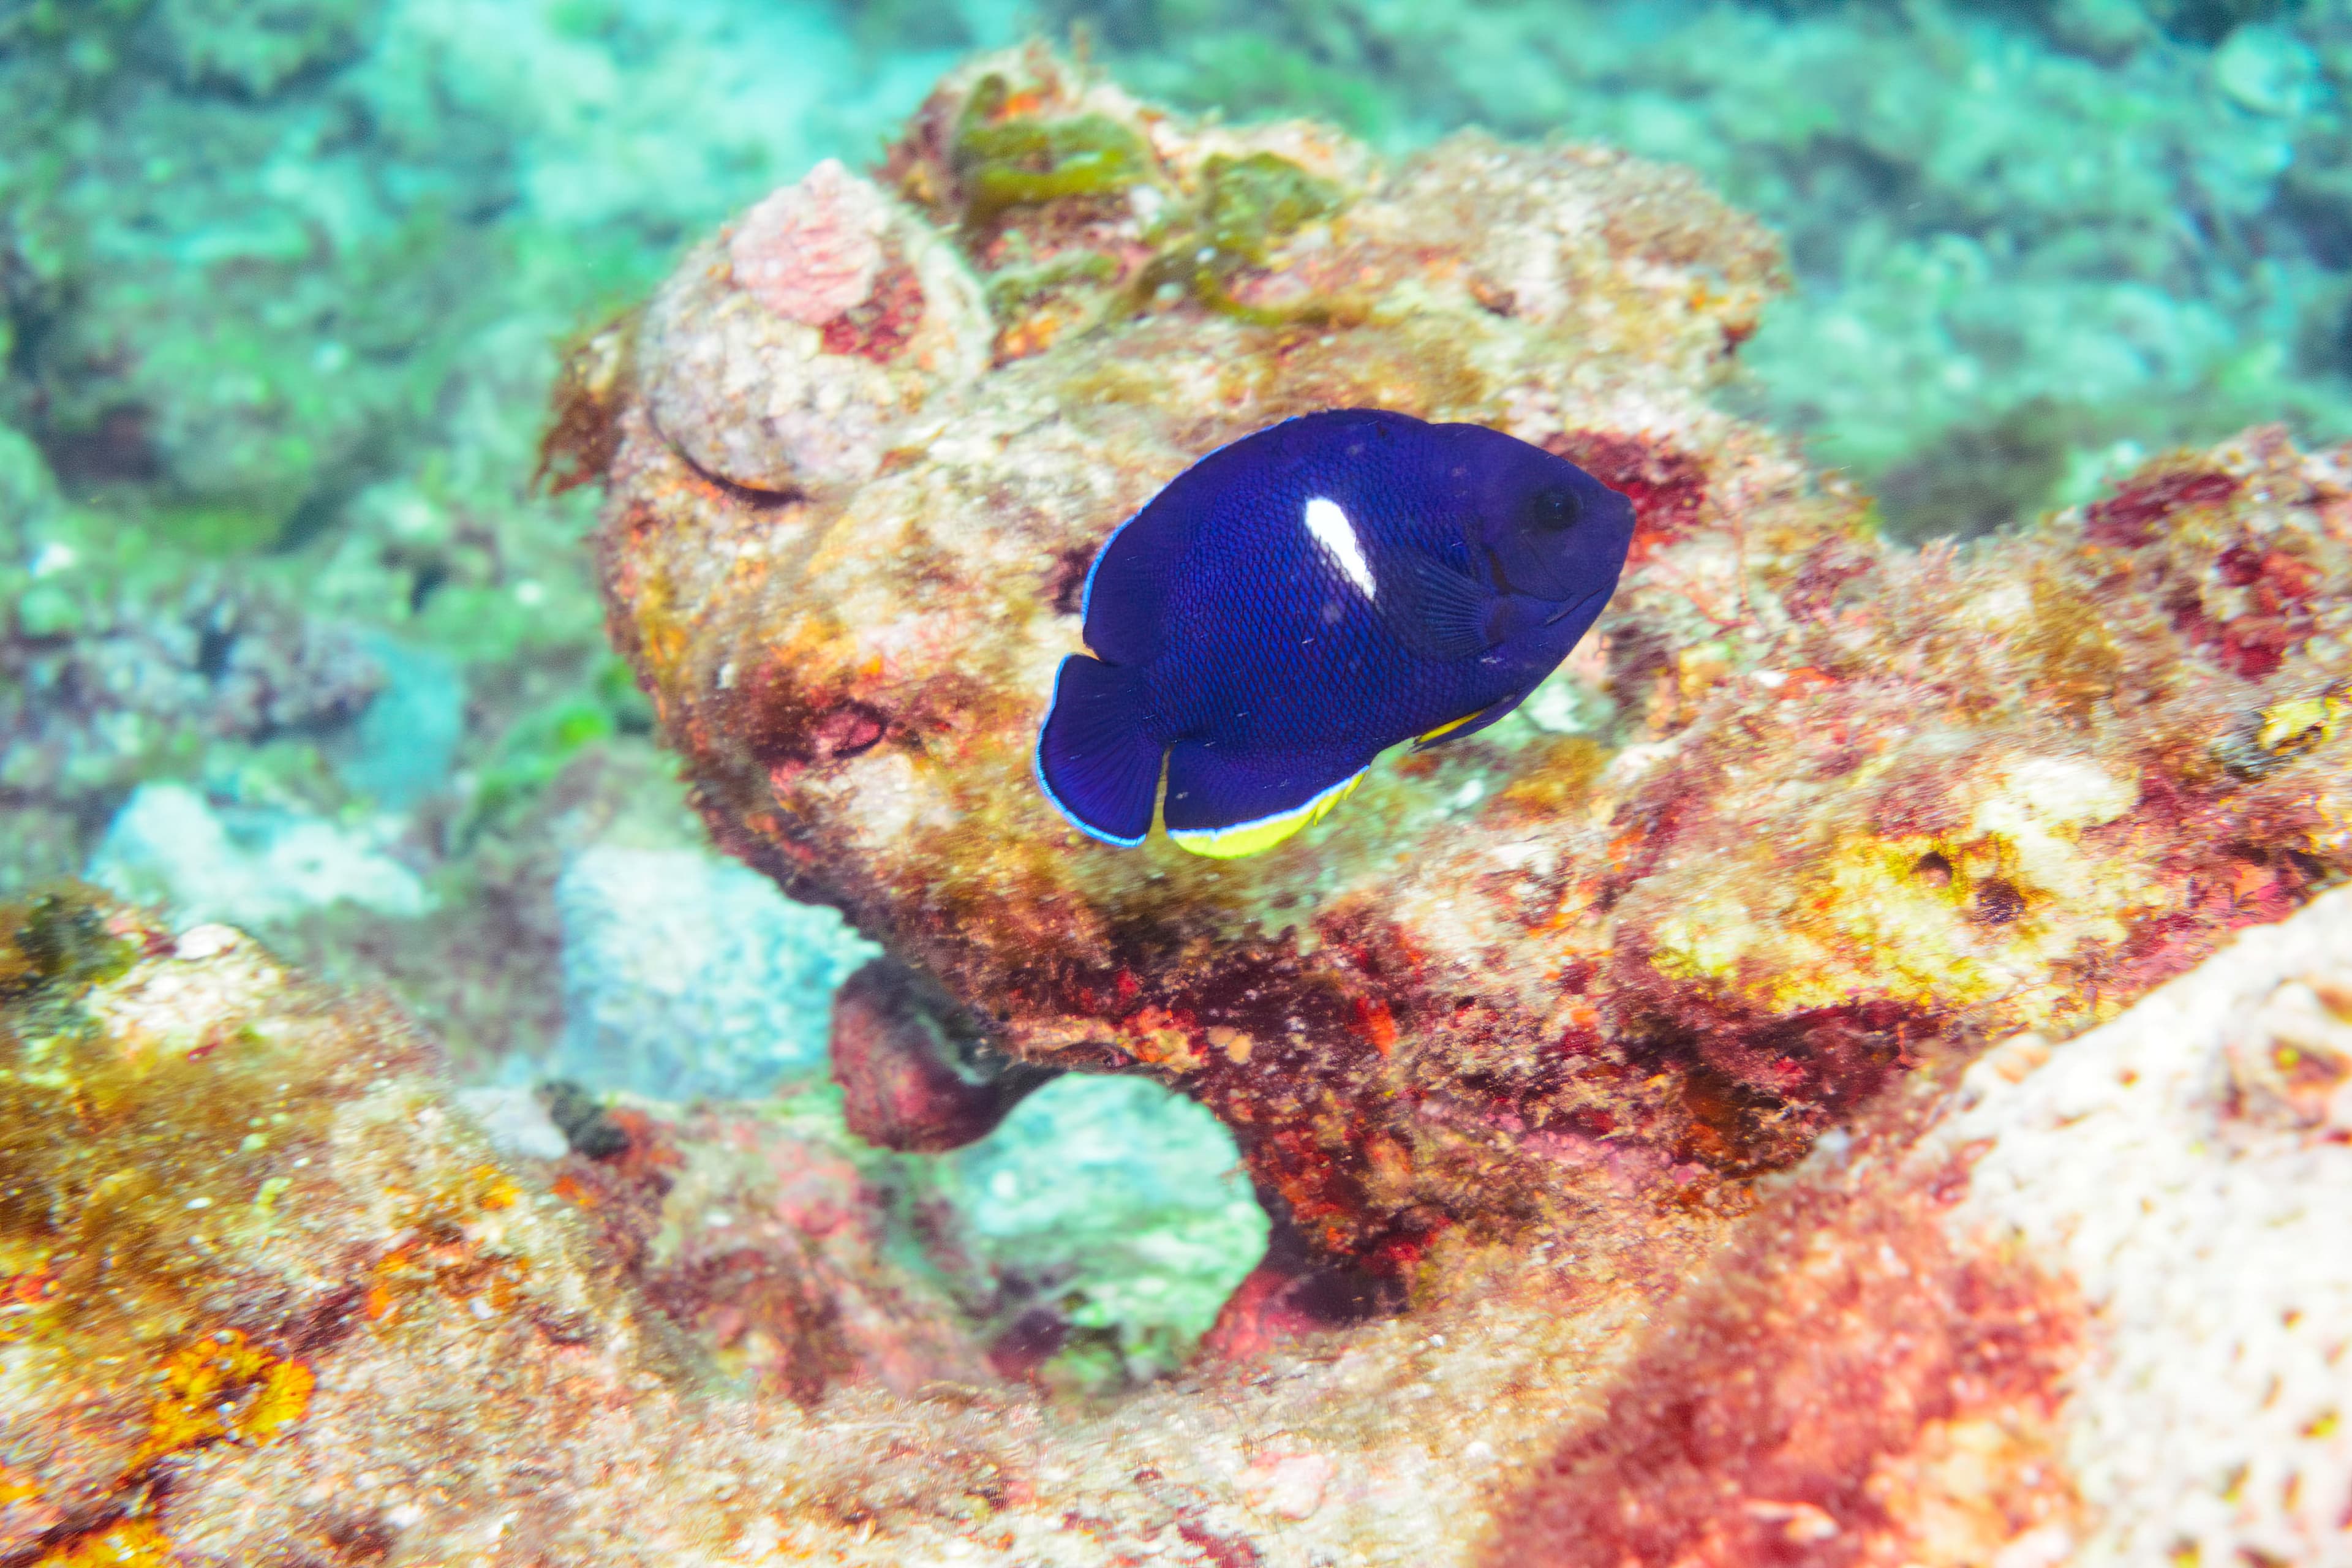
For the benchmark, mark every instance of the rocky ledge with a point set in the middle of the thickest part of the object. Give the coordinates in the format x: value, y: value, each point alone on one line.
x: 1808, y: 812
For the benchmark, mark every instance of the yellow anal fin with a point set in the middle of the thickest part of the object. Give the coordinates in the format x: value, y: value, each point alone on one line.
x: 1257, y: 837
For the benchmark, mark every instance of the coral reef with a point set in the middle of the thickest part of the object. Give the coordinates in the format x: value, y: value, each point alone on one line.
x: 270, y: 1299
x: 1849, y: 801
x: 278, y: 284
x: 1626, y: 1189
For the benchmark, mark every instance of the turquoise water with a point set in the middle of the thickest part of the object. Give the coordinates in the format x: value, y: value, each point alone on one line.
x: 293, y: 640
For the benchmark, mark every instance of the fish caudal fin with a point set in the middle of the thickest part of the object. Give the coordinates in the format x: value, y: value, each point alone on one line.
x: 1098, y: 764
x: 1225, y: 807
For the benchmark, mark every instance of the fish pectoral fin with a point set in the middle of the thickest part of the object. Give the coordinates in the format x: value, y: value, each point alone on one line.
x: 1470, y: 723
x: 1226, y: 807
x: 1444, y: 612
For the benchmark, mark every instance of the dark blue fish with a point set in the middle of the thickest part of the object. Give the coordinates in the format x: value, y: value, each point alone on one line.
x: 1297, y: 603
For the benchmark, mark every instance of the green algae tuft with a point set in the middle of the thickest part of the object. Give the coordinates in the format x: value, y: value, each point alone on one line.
x: 1006, y: 157
x: 59, y: 940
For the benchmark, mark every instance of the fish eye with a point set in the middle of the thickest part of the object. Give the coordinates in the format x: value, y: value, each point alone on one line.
x: 1550, y: 509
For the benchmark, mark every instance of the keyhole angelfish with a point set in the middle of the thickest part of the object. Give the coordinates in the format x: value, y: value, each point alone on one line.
x: 1299, y: 602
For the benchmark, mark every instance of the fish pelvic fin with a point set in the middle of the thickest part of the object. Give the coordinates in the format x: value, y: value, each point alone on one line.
x: 1096, y: 760
x: 1470, y: 723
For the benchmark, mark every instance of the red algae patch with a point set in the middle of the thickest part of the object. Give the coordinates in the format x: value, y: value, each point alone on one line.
x: 2130, y: 518
x: 1668, y: 486
x: 1847, y: 1390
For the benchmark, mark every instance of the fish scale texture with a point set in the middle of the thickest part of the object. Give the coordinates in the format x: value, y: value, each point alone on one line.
x: 1278, y: 612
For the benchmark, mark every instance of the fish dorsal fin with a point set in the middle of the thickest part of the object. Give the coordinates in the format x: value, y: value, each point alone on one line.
x: 1444, y: 611
x: 1125, y: 603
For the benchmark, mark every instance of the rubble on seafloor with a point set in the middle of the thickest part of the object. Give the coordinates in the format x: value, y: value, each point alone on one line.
x: 1855, y: 1073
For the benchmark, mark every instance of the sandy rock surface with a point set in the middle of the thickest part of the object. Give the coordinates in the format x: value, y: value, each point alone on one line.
x: 271, y: 1298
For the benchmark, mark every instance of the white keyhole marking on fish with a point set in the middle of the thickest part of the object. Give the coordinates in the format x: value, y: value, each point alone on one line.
x: 1337, y: 535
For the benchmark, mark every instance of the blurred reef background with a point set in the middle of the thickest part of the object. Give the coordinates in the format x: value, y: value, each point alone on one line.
x: 295, y: 637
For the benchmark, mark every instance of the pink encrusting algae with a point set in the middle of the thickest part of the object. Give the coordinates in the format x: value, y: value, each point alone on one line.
x: 811, y: 251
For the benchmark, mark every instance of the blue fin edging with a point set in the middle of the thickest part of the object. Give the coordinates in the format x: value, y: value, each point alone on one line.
x: 1037, y: 768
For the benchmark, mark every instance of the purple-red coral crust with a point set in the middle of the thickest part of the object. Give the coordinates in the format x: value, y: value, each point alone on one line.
x: 811, y: 251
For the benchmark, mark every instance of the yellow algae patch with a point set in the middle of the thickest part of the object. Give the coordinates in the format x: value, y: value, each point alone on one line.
x: 282, y: 1400
x: 1155, y: 1036
x: 2039, y: 811
x: 224, y: 1386
x: 1866, y: 922
x: 2301, y: 723
x: 1932, y: 923
x: 1904, y: 904
x: 1707, y: 939
x: 493, y: 1188
x: 2270, y: 737
x: 1558, y: 778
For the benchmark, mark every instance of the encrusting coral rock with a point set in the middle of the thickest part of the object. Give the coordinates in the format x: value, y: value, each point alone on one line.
x: 819, y: 335
x: 263, y: 1299
x: 810, y: 252
x: 1810, y: 804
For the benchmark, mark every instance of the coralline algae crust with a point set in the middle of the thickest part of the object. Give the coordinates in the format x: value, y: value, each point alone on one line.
x: 797, y: 350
